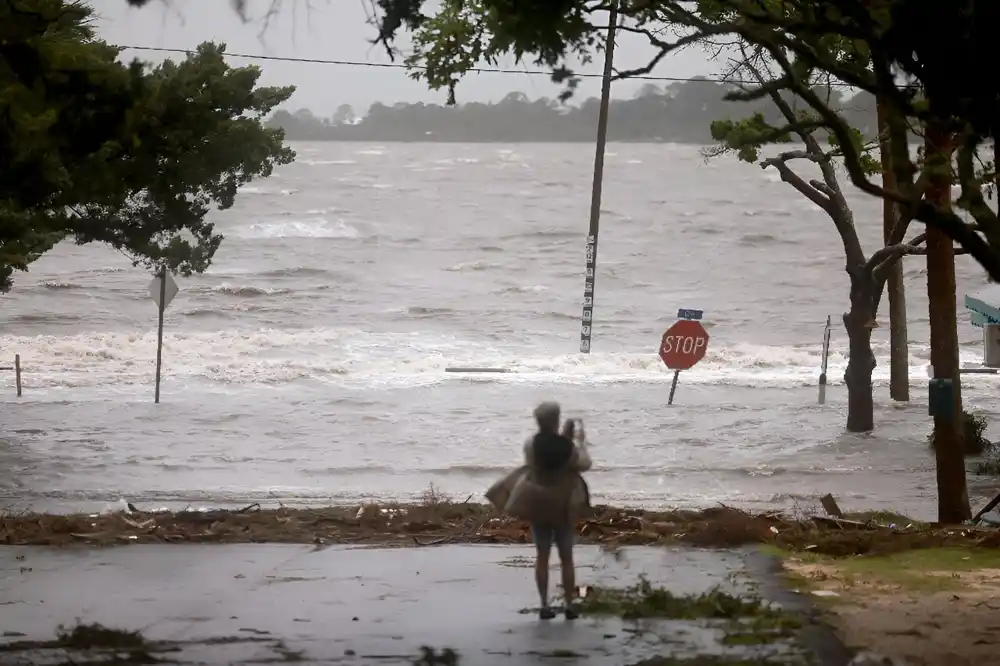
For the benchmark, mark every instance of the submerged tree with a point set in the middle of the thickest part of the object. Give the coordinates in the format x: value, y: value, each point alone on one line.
x: 867, y: 273
x: 135, y: 157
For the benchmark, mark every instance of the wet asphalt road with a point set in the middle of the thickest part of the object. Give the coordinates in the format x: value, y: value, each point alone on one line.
x: 229, y: 604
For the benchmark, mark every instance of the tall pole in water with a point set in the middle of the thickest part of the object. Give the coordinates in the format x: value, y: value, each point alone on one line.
x: 161, y: 306
x: 587, y: 318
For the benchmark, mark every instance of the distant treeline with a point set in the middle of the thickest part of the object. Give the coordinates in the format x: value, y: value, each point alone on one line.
x: 678, y: 113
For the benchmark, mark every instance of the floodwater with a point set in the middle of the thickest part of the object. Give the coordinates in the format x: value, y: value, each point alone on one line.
x: 308, y: 365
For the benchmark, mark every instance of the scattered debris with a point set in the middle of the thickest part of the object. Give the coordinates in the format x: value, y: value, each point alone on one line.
x: 439, y: 521
x: 830, y: 506
x: 987, y: 513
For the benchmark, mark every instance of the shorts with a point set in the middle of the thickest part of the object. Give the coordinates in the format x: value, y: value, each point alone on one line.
x: 545, y: 535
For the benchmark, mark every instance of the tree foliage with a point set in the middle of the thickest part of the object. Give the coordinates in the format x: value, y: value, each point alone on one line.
x: 124, y: 154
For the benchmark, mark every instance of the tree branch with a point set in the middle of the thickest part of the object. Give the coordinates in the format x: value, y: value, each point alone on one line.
x: 882, y: 261
x: 665, y: 49
x: 971, y: 198
x: 835, y: 202
x: 884, y: 258
x: 947, y: 221
x: 780, y: 163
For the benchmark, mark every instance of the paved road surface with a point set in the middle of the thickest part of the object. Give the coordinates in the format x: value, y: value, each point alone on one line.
x: 270, y: 603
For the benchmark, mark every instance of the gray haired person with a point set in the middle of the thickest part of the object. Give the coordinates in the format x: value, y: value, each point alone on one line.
x: 549, y: 492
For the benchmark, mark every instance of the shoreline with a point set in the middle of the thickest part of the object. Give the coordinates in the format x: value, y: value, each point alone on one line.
x: 435, y: 522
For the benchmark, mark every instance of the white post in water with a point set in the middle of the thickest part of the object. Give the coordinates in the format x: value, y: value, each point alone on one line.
x: 826, y: 355
x: 587, y: 318
x: 162, y: 290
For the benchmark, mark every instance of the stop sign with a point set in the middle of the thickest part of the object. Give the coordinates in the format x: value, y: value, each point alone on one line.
x: 684, y: 344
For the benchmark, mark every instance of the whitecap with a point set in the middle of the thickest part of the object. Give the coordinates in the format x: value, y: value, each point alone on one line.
x: 317, y: 227
x: 324, y: 162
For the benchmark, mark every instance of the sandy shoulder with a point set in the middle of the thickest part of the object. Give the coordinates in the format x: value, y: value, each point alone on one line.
x: 924, y: 618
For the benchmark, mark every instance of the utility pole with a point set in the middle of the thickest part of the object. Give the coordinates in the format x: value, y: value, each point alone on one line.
x: 949, y: 449
x: 161, y: 306
x: 899, y: 351
x: 587, y: 318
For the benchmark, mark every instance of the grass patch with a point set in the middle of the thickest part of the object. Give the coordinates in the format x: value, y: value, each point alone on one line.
x: 761, y: 631
x: 431, y: 657
x: 644, y: 600
x: 118, y: 646
x: 749, y: 621
x: 924, y: 569
x: 97, y: 636
x: 930, y: 559
x: 956, y: 558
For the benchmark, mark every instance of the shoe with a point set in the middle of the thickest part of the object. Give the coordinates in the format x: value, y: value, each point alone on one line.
x: 546, y: 614
x: 571, y: 613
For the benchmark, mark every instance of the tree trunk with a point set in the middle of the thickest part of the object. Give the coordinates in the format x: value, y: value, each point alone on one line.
x: 861, y: 361
x: 953, y: 495
x: 899, y: 351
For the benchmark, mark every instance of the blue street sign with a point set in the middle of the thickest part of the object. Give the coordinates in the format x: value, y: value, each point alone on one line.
x: 689, y: 314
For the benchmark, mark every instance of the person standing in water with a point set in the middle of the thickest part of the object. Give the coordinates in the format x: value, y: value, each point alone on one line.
x: 549, y: 493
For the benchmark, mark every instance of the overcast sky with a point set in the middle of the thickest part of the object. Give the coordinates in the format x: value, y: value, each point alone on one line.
x: 337, y: 30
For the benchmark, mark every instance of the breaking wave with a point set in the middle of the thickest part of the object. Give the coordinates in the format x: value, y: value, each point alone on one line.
x: 370, y: 359
x: 317, y: 227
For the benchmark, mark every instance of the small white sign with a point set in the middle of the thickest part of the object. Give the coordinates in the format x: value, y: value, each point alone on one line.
x: 169, y: 292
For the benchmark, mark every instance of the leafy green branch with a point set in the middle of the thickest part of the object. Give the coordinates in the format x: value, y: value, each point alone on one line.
x: 128, y: 155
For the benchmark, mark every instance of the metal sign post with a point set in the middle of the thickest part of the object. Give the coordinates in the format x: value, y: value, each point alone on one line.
x: 587, y: 318
x: 826, y: 355
x: 683, y: 345
x: 162, y: 290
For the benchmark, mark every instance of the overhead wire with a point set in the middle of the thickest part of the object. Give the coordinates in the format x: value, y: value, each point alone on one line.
x: 474, y: 70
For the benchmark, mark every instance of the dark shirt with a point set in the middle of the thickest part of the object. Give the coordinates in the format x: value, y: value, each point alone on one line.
x: 551, y: 451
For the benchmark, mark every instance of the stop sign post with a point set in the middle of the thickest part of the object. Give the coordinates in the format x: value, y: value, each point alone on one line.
x: 683, y: 345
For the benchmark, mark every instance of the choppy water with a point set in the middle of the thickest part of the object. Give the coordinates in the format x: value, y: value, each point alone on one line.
x: 308, y: 364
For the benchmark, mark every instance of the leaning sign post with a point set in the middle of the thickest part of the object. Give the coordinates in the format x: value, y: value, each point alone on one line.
x: 683, y: 345
x: 823, y: 363
x: 162, y: 290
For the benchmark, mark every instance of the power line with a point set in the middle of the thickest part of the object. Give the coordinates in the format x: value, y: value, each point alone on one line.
x: 476, y: 70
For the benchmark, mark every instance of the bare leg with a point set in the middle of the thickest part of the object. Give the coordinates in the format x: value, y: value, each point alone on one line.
x: 542, y: 576
x: 564, y: 540
x: 568, y: 577
x: 543, y: 551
